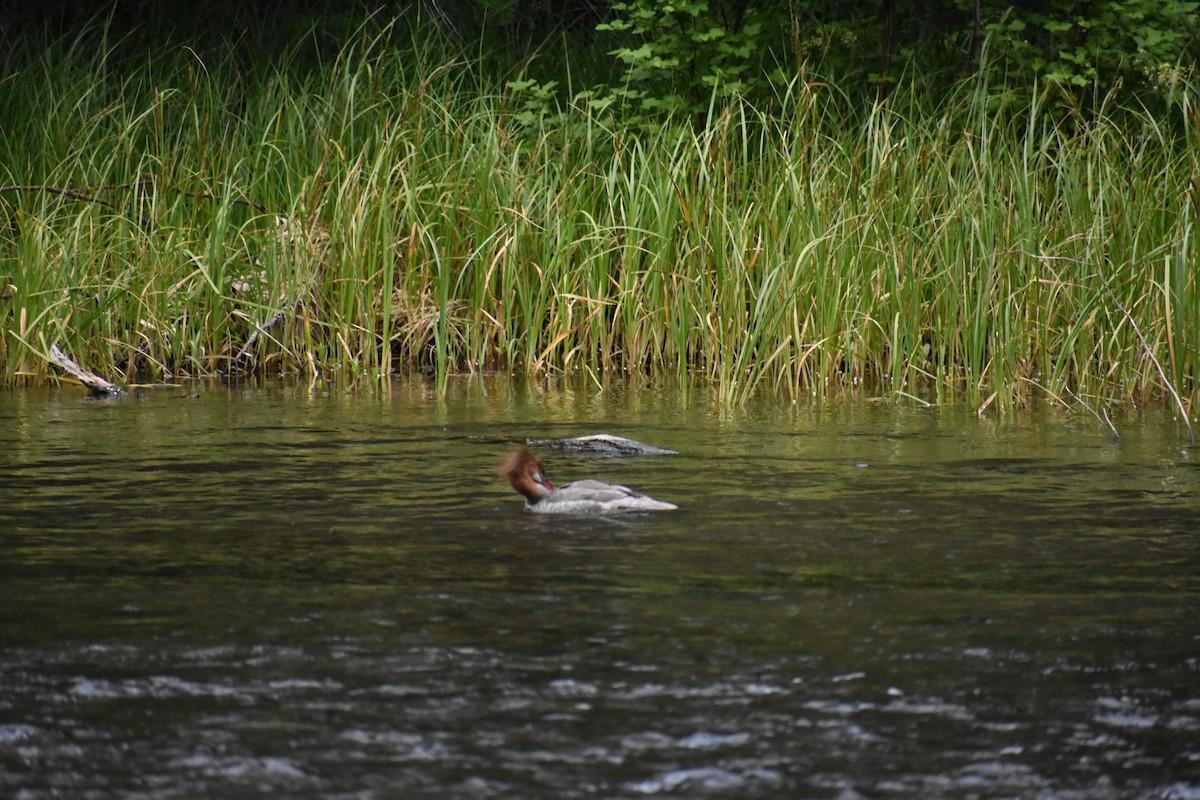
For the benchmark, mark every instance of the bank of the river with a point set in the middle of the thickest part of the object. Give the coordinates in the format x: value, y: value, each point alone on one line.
x: 187, y: 214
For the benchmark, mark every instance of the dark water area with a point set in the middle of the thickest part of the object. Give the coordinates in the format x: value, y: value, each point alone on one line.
x: 265, y: 591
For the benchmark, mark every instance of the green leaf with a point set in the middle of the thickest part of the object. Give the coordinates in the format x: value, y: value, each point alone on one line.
x: 715, y: 32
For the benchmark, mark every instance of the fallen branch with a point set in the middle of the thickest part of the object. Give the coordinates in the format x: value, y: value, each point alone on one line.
x: 245, y: 356
x: 1111, y: 428
x: 98, y: 385
x: 92, y: 195
x: 62, y: 191
x: 1161, y: 372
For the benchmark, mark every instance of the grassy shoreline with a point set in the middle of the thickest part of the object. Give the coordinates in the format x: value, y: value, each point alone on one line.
x: 389, y: 211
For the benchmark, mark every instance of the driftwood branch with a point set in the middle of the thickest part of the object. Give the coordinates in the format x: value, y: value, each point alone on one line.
x: 1183, y: 412
x: 604, y: 444
x: 98, y: 385
x: 245, y: 356
x: 92, y: 195
x: 1112, y: 429
x: 62, y: 191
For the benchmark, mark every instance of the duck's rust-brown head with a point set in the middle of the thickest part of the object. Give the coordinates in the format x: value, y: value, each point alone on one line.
x: 525, y: 474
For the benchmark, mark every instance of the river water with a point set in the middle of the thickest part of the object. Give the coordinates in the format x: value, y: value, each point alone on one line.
x: 272, y: 591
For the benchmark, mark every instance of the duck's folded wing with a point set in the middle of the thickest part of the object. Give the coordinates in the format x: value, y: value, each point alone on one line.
x: 597, y: 491
x: 615, y: 497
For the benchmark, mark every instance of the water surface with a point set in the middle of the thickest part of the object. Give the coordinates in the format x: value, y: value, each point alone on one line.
x: 253, y: 591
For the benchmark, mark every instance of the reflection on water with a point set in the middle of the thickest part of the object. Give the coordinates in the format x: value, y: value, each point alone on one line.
x: 218, y: 592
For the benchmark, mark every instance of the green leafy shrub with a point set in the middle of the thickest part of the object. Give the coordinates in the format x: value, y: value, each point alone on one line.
x: 682, y: 55
x: 1090, y: 47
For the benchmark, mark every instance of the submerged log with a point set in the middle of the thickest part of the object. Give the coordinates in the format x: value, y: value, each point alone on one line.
x: 604, y: 444
x: 99, y: 386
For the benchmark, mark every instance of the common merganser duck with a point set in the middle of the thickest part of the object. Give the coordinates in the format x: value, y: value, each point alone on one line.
x: 528, y: 476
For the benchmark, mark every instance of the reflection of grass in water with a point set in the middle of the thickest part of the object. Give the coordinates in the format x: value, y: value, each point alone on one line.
x: 407, y: 221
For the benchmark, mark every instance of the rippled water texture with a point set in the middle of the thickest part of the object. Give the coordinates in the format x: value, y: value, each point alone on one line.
x: 214, y: 592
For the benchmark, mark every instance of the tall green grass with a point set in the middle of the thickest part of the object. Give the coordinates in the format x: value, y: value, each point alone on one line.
x: 390, y: 209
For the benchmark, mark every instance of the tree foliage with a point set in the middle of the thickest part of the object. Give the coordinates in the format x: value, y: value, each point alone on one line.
x: 679, y: 55
x: 1093, y: 45
x: 691, y: 55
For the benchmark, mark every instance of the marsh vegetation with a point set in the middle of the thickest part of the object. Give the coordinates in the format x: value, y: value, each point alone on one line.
x: 396, y: 206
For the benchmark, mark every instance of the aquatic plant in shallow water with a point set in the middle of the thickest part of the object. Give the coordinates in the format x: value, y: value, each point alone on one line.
x: 388, y: 212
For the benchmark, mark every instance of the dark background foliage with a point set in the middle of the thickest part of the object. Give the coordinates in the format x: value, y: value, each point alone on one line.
x: 649, y: 55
